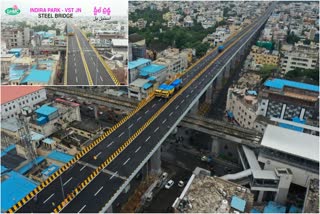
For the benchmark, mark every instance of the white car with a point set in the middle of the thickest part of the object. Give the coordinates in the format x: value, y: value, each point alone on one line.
x: 169, y: 184
x: 181, y: 184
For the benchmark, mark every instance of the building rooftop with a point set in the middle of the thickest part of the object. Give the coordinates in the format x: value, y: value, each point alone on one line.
x: 10, y: 93
x: 46, y: 110
x: 60, y: 156
x: 137, y: 63
x: 50, y: 170
x: 238, y: 203
x: 151, y: 69
x: 15, y: 50
x: 14, y: 187
x: 280, y: 83
x: 120, y: 42
x: 292, y: 142
x: 38, y: 76
x: 139, y: 82
x: 206, y: 194
x: 10, y: 124
x: 274, y: 207
x: 26, y: 168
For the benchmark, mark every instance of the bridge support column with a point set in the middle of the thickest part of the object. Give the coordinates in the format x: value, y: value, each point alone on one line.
x: 218, y: 81
x: 209, y: 93
x: 95, y: 109
x: 215, y: 146
x: 260, y: 196
x: 226, y: 72
x: 155, y: 162
x: 194, y: 109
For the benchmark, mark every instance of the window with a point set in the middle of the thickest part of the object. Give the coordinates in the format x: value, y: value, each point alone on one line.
x: 225, y: 147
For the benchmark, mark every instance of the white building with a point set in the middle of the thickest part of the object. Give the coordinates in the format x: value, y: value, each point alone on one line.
x: 297, y: 151
x: 14, y: 98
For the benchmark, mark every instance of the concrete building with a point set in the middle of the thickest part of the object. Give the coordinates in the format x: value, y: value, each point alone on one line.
x: 173, y: 59
x: 140, y: 88
x: 286, y: 99
x: 16, y: 37
x: 14, y: 99
x: 206, y: 194
x: 137, y: 47
x: 262, y: 56
x: 134, y: 67
x: 301, y: 56
x: 54, y: 117
x: 285, y: 148
x: 6, y: 60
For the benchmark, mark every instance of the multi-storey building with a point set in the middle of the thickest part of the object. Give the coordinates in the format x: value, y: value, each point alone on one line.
x: 301, y: 56
x: 16, y: 37
x: 262, y: 56
x: 286, y: 99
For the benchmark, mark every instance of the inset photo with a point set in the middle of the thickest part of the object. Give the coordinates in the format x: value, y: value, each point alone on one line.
x: 64, y: 43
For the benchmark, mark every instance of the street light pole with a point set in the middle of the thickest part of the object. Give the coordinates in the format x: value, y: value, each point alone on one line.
x: 61, y: 186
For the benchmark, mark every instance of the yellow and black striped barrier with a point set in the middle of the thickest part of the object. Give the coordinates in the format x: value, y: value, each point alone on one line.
x: 79, y: 155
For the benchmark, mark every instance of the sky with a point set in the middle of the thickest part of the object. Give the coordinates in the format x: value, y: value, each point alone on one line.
x: 118, y: 7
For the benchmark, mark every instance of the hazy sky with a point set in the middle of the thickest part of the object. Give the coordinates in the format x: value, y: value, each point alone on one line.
x: 118, y: 7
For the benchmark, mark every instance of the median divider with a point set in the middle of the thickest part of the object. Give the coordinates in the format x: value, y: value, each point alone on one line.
x: 109, y: 71
x: 99, y: 169
x: 79, y: 155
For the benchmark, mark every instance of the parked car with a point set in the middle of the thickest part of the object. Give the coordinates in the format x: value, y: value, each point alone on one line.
x: 181, y: 184
x: 169, y: 184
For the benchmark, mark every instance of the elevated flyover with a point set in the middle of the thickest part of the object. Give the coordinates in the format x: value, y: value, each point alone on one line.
x: 126, y: 147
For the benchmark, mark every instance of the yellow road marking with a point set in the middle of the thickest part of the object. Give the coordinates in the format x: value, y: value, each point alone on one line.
x: 84, y: 62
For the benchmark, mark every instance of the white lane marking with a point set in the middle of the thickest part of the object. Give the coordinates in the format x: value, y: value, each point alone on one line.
x: 74, y: 64
x: 98, y: 154
x: 159, y: 100
x: 83, y: 167
x: 95, y: 194
x: 75, y: 70
x: 67, y: 181
x: 76, y: 79
x: 147, y: 138
x: 121, y: 134
x: 137, y: 149
x: 48, y: 198
x: 177, y: 107
x: 101, y: 78
x: 182, y: 101
x: 113, y: 175
x: 126, y: 162
x: 164, y: 121
x: 192, y: 91
x: 156, y: 129
x: 187, y: 96
x: 153, y: 105
x: 110, y: 144
x: 82, y: 208
x: 138, y: 118
x: 146, y: 111
x: 170, y: 113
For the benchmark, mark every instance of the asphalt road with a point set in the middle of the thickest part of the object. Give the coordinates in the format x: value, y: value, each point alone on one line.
x: 97, y: 71
x: 134, y: 154
x: 76, y: 74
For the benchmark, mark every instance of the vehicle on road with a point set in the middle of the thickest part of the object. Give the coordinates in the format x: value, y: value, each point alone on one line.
x: 220, y: 48
x: 181, y: 184
x: 169, y: 184
x: 167, y: 91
